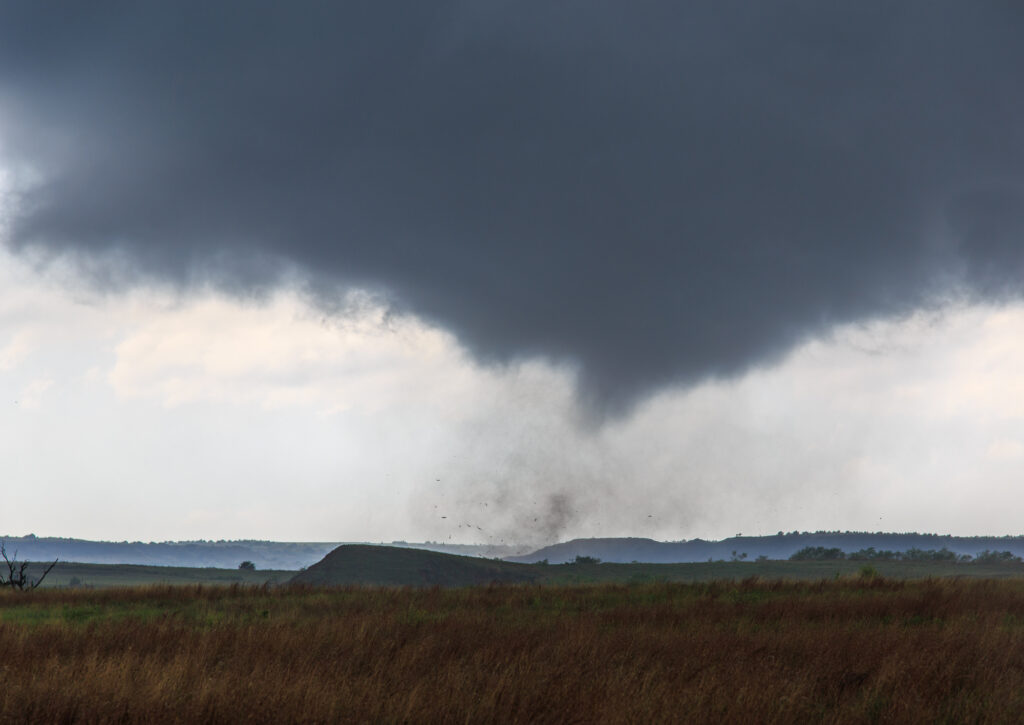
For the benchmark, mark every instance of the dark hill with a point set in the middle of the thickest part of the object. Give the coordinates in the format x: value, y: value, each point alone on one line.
x: 394, y: 566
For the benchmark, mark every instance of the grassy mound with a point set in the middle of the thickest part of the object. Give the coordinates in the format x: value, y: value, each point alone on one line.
x: 394, y: 566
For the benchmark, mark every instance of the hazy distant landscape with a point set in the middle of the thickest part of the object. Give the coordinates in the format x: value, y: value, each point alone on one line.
x: 222, y: 553
x: 804, y: 556
x: 297, y: 555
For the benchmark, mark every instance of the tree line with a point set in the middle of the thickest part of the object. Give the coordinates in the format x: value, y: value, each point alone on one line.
x: 821, y: 553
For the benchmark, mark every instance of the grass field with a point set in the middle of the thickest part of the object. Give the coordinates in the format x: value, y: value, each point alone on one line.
x: 67, y: 574
x: 563, y: 574
x: 855, y: 649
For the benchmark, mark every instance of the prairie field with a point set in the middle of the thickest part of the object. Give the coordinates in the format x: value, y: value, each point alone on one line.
x: 367, y: 570
x: 855, y: 649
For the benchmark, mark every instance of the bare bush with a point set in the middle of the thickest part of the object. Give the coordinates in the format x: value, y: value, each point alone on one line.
x: 17, y: 572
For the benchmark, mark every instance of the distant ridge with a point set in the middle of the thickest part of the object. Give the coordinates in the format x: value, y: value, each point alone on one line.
x: 361, y: 564
x: 779, y: 546
x: 221, y: 554
x: 295, y: 555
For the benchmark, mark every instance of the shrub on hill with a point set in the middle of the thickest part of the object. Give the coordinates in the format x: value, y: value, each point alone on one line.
x: 996, y: 557
x: 818, y: 553
x: 872, y: 554
x: 942, y: 554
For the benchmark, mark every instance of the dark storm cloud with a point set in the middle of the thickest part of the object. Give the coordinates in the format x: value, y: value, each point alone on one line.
x: 656, y: 191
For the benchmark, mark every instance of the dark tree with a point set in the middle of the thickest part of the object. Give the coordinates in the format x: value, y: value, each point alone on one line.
x: 17, y: 574
x: 247, y: 566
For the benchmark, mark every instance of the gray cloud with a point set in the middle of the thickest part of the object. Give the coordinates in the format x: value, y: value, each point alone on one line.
x: 657, y: 192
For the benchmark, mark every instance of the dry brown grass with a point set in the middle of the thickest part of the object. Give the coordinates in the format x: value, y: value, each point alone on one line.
x: 840, y: 651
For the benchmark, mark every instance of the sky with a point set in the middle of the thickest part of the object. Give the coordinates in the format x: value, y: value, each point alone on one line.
x: 510, y: 272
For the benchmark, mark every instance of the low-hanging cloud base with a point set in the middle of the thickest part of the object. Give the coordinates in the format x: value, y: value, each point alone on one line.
x: 652, y: 195
x: 487, y: 270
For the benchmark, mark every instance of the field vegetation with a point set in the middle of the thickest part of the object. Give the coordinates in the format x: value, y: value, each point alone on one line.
x: 858, y: 648
x: 74, y: 574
